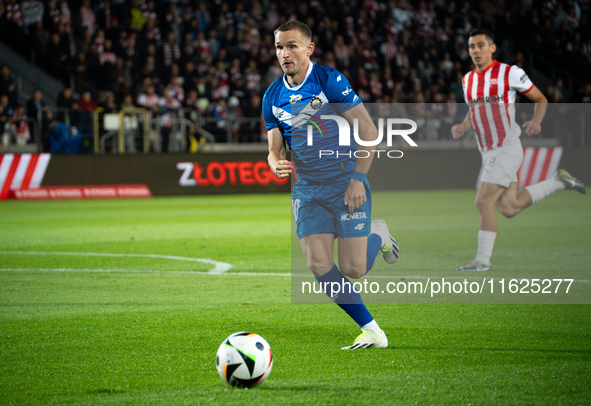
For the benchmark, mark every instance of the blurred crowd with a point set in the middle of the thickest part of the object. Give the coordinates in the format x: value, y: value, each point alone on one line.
x: 217, y: 57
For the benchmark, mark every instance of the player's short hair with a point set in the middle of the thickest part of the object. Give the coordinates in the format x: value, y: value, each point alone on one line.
x: 295, y: 25
x: 489, y: 35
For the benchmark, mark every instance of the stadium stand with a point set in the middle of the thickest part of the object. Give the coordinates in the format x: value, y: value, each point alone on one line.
x: 214, y: 58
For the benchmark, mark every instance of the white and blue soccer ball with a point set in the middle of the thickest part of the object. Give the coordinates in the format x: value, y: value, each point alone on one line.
x: 244, y: 359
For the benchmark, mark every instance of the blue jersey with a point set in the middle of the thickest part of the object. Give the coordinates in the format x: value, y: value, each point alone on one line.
x: 297, y: 111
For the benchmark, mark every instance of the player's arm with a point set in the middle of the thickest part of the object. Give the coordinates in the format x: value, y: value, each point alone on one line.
x: 534, y: 126
x: 355, y: 193
x: 459, y: 129
x: 279, y: 165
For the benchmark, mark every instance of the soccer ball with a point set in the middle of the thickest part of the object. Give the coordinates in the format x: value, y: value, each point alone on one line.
x: 244, y: 359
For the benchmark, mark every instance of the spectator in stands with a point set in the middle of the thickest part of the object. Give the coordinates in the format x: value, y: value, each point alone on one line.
x: 149, y: 99
x: 198, y: 35
x: 559, y: 90
x: 425, y: 69
x: 20, y: 126
x: 36, y: 104
x: 65, y: 102
x: 64, y: 138
x: 87, y: 17
x: 57, y: 58
x: 6, y: 108
x: 127, y: 102
x: 171, y: 51
x: 80, y: 71
x: 108, y: 67
x: 7, y: 85
x: 6, y: 113
x: 251, y: 131
x: 107, y: 102
x: 584, y: 94
x: 85, y: 103
x: 48, y: 118
x: 170, y: 107
x: 550, y: 94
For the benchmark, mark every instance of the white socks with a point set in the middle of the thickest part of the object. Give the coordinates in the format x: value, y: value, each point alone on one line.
x: 544, y: 188
x: 373, y: 326
x: 486, y: 241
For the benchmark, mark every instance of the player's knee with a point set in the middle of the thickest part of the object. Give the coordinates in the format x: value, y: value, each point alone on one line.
x: 353, y: 271
x: 483, y: 203
x: 319, y: 268
x: 507, y: 211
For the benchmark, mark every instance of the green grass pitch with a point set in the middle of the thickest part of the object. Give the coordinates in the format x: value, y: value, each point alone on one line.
x: 135, y: 329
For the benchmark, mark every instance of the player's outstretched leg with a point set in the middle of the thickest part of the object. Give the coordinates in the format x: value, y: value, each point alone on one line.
x: 389, y: 249
x: 350, y: 301
x: 561, y: 180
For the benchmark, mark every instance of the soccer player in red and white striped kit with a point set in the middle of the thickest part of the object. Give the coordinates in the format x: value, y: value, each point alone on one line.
x: 490, y: 91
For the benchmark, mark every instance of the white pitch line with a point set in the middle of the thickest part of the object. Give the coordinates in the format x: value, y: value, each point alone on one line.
x: 220, y: 267
x: 232, y: 273
x: 134, y: 271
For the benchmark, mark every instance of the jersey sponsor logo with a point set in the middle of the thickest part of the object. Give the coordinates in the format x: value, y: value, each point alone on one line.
x: 294, y: 98
x: 347, y: 91
x: 353, y: 216
x: 481, y: 100
x: 523, y: 78
x: 494, y: 81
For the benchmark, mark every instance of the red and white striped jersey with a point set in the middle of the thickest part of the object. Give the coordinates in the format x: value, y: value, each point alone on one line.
x: 149, y: 100
x: 491, y: 97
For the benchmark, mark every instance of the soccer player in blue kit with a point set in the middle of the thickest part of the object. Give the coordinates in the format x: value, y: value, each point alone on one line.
x: 331, y: 197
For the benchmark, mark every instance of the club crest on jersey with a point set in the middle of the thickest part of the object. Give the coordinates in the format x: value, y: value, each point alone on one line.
x: 294, y: 98
x: 316, y: 103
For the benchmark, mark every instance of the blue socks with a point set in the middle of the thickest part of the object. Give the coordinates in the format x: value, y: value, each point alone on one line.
x: 374, y: 243
x: 345, y: 295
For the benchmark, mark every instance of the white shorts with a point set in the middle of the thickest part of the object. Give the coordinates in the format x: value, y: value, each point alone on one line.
x: 500, y: 166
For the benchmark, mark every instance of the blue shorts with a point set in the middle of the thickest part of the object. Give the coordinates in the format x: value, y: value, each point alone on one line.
x: 320, y: 209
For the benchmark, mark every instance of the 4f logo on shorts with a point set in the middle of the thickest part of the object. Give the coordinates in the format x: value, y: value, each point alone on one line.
x: 295, y: 207
x: 359, y: 226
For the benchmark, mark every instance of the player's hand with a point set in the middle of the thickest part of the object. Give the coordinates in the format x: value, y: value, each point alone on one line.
x: 532, y: 127
x: 457, y: 131
x: 282, y: 169
x: 355, y: 195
